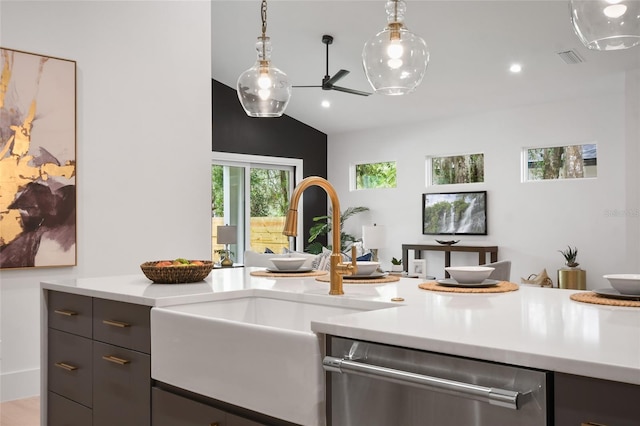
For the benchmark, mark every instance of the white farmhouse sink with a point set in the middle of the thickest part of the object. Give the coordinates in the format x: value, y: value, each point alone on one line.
x: 254, y: 351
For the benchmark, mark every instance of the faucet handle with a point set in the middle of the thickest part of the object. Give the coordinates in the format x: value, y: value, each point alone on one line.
x: 354, y: 265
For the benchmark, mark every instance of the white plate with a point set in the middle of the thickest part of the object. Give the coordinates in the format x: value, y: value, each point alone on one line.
x: 450, y: 282
x: 364, y: 277
x: 615, y: 294
x: 289, y: 271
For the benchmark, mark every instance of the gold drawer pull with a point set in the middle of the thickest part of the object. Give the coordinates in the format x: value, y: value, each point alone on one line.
x: 64, y: 366
x: 116, y: 323
x: 115, y: 359
x: 65, y: 312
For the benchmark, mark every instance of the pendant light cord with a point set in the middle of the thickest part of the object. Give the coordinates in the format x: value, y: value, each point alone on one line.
x: 263, y: 14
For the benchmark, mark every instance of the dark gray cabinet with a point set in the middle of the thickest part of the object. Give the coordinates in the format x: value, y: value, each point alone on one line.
x: 233, y: 420
x: 71, y: 313
x: 583, y: 401
x: 98, y: 362
x: 121, y: 386
x: 70, y: 367
x: 122, y: 324
x: 65, y: 412
x: 170, y: 409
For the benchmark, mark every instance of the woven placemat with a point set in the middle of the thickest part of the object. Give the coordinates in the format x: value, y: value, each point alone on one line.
x: 287, y: 275
x: 591, y: 297
x: 501, y: 287
x: 347, y: 280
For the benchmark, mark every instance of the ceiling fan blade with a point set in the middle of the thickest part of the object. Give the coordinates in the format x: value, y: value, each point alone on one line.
x: 352, y: 91
x: 337, y: 76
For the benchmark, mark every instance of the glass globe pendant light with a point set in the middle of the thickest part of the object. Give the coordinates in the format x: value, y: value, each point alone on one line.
x: 395, y: 60
x: 606, y: 24
x: 264, y: 90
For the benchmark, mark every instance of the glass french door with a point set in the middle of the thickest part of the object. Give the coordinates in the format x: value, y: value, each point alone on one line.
x: 254, y: 196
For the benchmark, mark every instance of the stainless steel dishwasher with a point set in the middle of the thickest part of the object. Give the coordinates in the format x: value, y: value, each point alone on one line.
x: 373, y: 384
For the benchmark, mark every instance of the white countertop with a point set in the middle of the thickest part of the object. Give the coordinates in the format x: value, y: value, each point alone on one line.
x: 532, y: 327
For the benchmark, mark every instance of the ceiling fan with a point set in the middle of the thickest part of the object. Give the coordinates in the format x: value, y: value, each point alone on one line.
x: 328, y: 81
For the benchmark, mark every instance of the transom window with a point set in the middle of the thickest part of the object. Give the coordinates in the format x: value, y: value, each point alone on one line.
x: 453, y: 169
x: 374, y: 175
x: 560, y: 162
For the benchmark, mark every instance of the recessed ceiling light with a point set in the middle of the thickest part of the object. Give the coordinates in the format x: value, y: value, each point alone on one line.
x: 325, y: 104
x: 515, y: 68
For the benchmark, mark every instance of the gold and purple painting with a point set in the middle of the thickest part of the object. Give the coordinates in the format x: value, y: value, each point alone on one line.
x: 37, y: 160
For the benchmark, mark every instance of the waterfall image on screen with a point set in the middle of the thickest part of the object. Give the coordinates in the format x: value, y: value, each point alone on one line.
x: 451, y: 213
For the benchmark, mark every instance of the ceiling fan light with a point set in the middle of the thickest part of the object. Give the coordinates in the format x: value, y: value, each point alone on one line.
x: 395, y: 60
x: 264, y: 90
x: 606, y: 24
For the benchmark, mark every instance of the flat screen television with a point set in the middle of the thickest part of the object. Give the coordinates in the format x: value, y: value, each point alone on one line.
x: 454, y: 213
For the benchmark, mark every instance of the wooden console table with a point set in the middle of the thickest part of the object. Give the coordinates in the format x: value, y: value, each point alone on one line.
x: 447, y: 249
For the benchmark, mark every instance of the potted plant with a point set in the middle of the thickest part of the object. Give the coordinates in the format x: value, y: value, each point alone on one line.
x: 323, y: 227
x: 571, y: 277
x: 396, y: 265
x: 225, y: 257
x: 570, y: 255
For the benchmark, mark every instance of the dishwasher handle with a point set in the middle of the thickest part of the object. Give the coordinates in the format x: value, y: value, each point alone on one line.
x: 494, y: 396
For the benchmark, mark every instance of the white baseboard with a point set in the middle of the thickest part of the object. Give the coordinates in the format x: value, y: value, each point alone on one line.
x: 19, y: 384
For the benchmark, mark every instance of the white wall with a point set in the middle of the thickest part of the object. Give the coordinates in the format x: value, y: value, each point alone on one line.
x: 531, y: 221
x: 143, y: 147
x: 632, y: 178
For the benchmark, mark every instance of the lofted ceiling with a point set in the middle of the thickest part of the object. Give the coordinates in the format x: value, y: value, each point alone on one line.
x: 471, y: 44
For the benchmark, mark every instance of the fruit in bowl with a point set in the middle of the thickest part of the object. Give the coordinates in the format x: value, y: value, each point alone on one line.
x: 625, y: 283
x: 179, y: 262
x: 366, y: 267
x: 469, y: 274
x: 176, y: 271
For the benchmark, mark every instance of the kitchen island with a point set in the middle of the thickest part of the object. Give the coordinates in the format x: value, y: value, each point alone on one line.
x: 533, y: 327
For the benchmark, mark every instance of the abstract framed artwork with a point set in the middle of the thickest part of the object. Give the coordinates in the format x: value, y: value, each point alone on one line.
x: 37, y: 160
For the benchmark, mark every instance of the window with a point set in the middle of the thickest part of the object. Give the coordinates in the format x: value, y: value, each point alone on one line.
x: 467, y: 168
x: 375, y: 175
x: 252, y: 193
x: 560, y: 162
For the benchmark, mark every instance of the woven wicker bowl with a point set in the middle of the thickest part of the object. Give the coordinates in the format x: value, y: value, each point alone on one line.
x: 176, y: 274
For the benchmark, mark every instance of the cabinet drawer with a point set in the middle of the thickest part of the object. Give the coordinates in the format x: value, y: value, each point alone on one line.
x: 64, y: 412
x: 587, y: 401
x: 170, y: 410
x: 233, y: 420
x: 122, y: 324
x: 121, y: 386
x: 70, y: 312
x: 69, y: 366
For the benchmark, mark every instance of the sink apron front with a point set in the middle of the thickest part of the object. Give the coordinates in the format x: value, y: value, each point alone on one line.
x: 274, y: 372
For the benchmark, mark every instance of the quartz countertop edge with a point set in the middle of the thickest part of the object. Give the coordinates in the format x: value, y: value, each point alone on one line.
x: 540, y: 361
x: 533, y: 327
